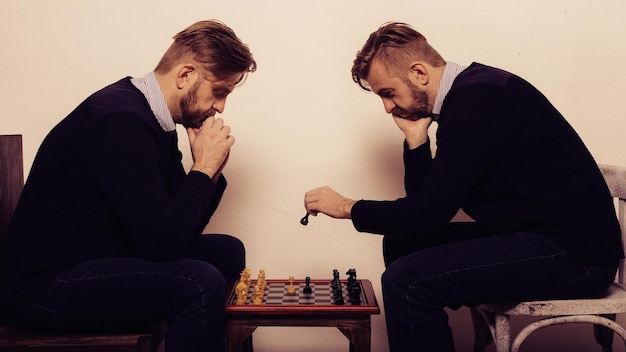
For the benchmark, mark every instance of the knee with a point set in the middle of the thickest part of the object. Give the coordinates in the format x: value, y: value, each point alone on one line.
x: 234, y: 258
x: 401, y: 279
x: 203, y: 276
x: 237, y: 250
x: 394, y: 275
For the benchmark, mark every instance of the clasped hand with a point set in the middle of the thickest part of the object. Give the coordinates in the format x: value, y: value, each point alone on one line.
x: 210, y: 146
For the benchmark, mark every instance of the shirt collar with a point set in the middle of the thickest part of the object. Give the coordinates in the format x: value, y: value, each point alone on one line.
x: 149, y: 86
x: 449, y: 74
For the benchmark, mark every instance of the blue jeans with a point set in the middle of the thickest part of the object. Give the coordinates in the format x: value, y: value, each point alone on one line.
x: 464, y: 266
x: 126, y: 294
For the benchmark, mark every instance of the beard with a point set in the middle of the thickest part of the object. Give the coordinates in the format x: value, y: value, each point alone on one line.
x: 419, y: 108
x: 192, y: 117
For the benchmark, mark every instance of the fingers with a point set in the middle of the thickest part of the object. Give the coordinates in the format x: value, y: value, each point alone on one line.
x: 310, y: 200
x: 191, y: 134
x: 325, y: 200
x: 210, y: 146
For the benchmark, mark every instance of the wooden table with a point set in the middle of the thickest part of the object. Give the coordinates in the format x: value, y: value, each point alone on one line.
x: 354, y: 321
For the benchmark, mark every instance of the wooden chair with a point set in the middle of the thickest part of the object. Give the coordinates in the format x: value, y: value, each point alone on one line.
x: 492, y: 321
x: 14, y: 340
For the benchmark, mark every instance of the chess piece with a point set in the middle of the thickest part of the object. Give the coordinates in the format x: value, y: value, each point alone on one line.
x: 355, y: 294
x: 305, y: 220
x: 242, y: 292
x: 307, y: 288
x: 247, y: 276
x: 257, y: 296
x: 351, y: 275
x: 291, y: 289
x: 261, y: 282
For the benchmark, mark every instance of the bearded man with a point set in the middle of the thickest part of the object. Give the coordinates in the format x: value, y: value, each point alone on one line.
x: 544, y: 224
x: 107, y: 234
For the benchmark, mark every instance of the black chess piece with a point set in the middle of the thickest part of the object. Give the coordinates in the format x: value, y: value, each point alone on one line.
x: 351, y: 279
x: 339, y: 299
x: 351, y: 274
x: 355, y: 294
x: 307, y: 288
x: 305, y: 220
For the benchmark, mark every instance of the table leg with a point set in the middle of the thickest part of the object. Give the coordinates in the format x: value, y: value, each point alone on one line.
x: 359, y: 334
x: 239, y: 337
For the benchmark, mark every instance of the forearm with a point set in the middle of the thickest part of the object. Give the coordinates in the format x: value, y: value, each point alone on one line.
x: 417, y: 164
x: 220, y: 184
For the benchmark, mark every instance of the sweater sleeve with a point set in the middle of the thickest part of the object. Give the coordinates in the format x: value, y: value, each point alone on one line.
x: 417, y: 163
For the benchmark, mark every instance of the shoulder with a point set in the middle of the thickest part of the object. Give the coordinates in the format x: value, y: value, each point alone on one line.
x: 478, y: 73
x: 119, y: 97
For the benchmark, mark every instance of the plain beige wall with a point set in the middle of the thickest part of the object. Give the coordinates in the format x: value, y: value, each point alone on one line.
x: 300, y: 122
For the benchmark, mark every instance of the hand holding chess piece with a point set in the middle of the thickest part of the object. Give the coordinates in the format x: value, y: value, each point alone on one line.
x: 291, y: 289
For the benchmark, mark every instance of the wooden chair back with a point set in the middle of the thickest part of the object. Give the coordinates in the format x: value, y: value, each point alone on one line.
x: 11, y: 183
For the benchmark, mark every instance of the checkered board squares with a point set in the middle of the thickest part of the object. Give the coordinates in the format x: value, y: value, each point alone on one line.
x: 276, y: 293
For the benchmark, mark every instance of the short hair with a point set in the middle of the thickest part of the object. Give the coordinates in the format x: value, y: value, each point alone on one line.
x: 214, y: 46
x: 396, y: 45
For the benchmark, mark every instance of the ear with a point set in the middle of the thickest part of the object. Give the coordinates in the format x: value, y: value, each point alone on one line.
x: 186, y: 75
x: 420, y: 72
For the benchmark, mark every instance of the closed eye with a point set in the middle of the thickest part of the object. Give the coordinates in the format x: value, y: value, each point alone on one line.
x: 386, y: 93
x: 221, y: 93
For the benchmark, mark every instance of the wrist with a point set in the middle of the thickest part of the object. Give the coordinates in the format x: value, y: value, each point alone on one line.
x: 414, y: 141
x: 347, y: 208
x: 209, y: 171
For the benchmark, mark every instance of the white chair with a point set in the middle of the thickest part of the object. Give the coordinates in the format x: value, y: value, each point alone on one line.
x: 492, y: 321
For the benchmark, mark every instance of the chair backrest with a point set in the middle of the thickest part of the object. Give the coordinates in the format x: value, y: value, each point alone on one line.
x: 615, y: 177
x: 11, y: 183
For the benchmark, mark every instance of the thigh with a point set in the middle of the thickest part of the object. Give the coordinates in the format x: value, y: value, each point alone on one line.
x: 398, y: 245
x: 519, y: 266
x: 120, y: 294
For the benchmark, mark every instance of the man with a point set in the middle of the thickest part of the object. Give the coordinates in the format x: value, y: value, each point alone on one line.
x: 544, y: 221
x: 107, y: 233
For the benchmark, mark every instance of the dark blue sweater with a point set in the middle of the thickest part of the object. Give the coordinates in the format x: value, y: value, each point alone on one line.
x: 106, y: 182
x: 509, y: 159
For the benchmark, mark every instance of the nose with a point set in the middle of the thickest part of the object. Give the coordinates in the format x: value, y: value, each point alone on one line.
x: 388, y: 104
x: 219, y: 105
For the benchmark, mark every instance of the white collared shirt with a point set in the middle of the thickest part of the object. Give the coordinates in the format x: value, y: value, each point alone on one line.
x: 149, y: 86
x: 449, y: 75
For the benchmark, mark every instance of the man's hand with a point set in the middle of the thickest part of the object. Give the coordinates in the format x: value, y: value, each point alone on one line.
x: 327, y: 201
x: 415, y: 132
x: 210, y: 146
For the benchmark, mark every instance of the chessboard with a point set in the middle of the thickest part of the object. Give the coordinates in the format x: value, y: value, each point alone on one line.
x: 320, y: 299
x: 276, y: 293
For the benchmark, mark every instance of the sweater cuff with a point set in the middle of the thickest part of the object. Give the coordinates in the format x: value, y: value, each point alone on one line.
x: 360, y: 219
